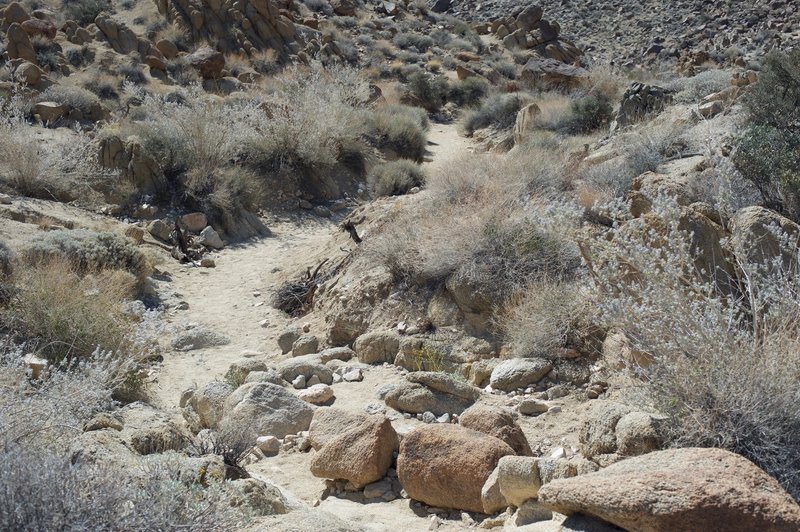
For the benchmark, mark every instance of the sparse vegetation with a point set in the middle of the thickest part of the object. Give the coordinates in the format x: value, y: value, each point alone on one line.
x: 395, y: 178
x: 499, y: 111
x: 725, y: 365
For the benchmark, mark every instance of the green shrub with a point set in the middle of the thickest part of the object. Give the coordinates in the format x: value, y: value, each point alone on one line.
x: 770, y: 159
x: 88, y: 252
x: 768, y: 151
x: 400, y: 130
x: 395, y: 178
x: 589, y: 113
x: 774, y: 100
x: 499, y: 111
x: 468, y: 92
x: 428, y: 91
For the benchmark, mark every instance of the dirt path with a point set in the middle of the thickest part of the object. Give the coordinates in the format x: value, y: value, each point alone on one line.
x: 444, y: 145
x: 234, y: 299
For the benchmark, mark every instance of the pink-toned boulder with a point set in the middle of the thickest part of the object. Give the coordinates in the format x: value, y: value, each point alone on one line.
x: 446, y: 465
x: 692, y: 490
x: 361, y: 455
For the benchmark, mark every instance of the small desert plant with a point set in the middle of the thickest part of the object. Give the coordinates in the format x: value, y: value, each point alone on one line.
x: 427, y: 358
x: 468, y: 92
x: 133, y: 73
x: 695, y: 88
x: 400, y: 130
x: 233, y: 442
x: 414, y: 41
x: 428, y: 91
x: 395, y: 178
x: 89, y: 252
x: 589, y: 113
x: 499, y: 111
x: 182, y: 71
x: 72, y: 97
x: 542, y: 318
x: 80, y: 56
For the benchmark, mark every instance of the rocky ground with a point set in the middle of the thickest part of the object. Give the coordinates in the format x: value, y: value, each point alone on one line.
x: 634, y: 35
x: 292, y: 357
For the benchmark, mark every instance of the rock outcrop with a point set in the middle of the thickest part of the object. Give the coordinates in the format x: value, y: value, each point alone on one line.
x: 241, y: 26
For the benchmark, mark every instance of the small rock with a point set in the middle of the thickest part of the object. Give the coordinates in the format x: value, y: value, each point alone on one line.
x: 306, y: 344
x: 208, y: 262
x: 317, y: 394
x: 299, y: 382
x: 269, y: 445
x: 444, y: 418
x: 428, y: 417
x: 532, y: 407
x: 353, y: 375
x: 313, y: 380
x: 211, y: 239
x: 194, y: 222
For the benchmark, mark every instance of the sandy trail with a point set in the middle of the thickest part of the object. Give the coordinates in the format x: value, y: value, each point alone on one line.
x: 234, y: 299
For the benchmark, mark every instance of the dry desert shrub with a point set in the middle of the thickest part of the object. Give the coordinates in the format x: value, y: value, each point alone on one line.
x: 395, y: 178
x: 480, y: 223
x: 544, y: 317
x: 68, y: 316
x: 726, y: 363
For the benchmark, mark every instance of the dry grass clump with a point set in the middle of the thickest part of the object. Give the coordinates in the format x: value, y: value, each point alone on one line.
x: 72, y: 97
x: 400, y: 131
x: 484, y: 224
x: 725, y: 365
x: 544, y: 318
x: 62, y: 167
x: 69, y: 316
x: 395, y: 178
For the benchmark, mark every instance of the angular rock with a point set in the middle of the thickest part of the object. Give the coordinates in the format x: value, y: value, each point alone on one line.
x: 679, y: 489
x: 208, y: 403
x: 211, y: 239
x: 446, y: 465
x: 498, y: 423
x: 491, y: 497
x: 377, y: 347
x: 361, y: 455
x: 268, y: 409
x: 519, y: 373
x: 306, y: 344
x: 518, y: 478
x: 209, y: 64
x: 316, y: 394
x: 328, y: 423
